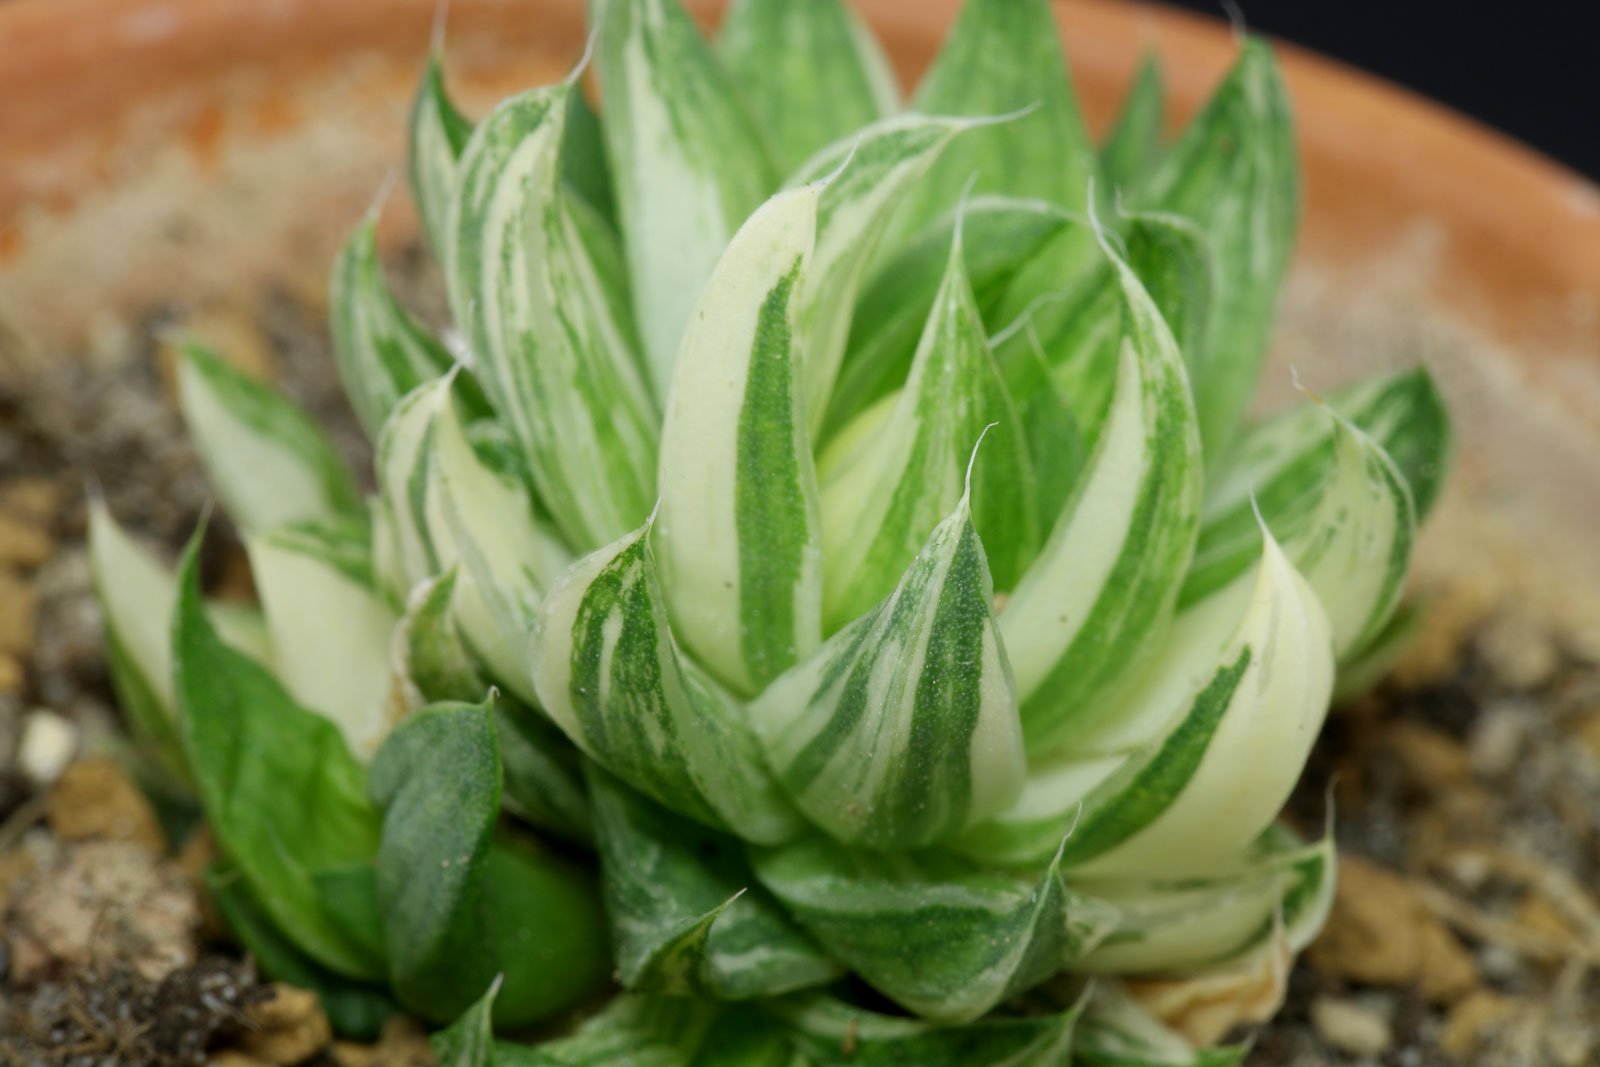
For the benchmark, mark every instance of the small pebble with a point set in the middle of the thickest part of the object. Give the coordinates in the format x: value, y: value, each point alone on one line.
x: 1520, y: 652
x: 1497, y: 740
x: 1351, y: 1027
x: 48, y: 744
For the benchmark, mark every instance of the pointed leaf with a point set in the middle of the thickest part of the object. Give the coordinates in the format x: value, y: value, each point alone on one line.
x: 449, y: 928
x: 439, y: 135
x: 1104, y: 584
x: 137, y: 593
x: 686, y: 914
x: 555, y: 361
x: 330, y: 628
x: 267, y: 461
x: 609, y: 673
x: 1179, y: 802
x: 635, y: 1031
x: 382, y: 352
x: 811, y: 73
x: 1002, y: 56
x: 903, y: 728
x: 1233, y: 172
x: 687, y: 160
x: 737, y: 530
x: 944, y: 939
x: 1183, y: 924
x: 1341, y: 508
x: 1134, y: 145
x: 259, y: 760
x: 884, y: 488
x: 872, y: 173
x: 998, y: 236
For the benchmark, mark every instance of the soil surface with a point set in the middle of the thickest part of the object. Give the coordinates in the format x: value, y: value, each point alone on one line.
x: 1466, y: 791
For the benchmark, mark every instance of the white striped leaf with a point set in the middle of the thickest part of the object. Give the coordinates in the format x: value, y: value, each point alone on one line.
x: 872, y: 174
x: 1173, y: 259
x: 1340, y: 506
x: 1282, y: 460
x: 887, y: 483
x: 330, y: 627
x: 686, y: 914
x: 942, y: 938
x: 832, y: 1033
x: 1116, y: 1031
x: 137, y: 594
x: 998, y: 236
x: 811, y: 73
x: 381, y: 351
x: 608, y: 671
x: 439, y: 135
x: 686, y: 158
x: 1179, y: 802
x: 407, y: 490
x: 1233, y: 172
x: 482, y: 518
x: 1261, y: 639
x: 268, y: 462
x: 1133, y: 147
x: 1002, y: 56
x: 1179, y: 924
x: 1102, y: 589
x: 551, y: 352
x: 902, y: 729
x: 737, y: 530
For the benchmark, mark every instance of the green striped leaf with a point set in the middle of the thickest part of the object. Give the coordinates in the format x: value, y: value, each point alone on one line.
x: 609, y: 673
x: 1256, y: 652
x: 942, y: 938
x: 256, y: 755
x: 1173, y: 259
x: 889, y: 482
x: 381, y: 351
x: 556, y: 361
x: 636, y: 1031
x: 329, y: 626
x: 998, y: 236
x: 686, y: 914
x: 1183, y: 924
x: 811, y: 73
x: 438, y: 136
x: 1253, y: 699
x: 1002, y: 56
x: 137, y: 593
x: 686, y: 157
x: 1339, y: 504
x: 1115, y: 1031
x: 459, y: 907
x: 737, y: 529
x: 584, y: 166
x: 267, y: 461
x: 902, y: 729
x: 871, y: 175
x: 1102, y: 589
x: 1134, y: 145
x: 832, y: 1033
x: 1233, y: 172
x: 408, y: 491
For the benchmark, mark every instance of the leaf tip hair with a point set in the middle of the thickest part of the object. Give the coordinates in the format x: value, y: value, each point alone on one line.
x: 1236, y: 20
x: 441, y: 17
x: 972, y: 460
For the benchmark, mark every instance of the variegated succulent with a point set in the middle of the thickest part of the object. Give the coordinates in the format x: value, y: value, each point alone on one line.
x: 873, y: 567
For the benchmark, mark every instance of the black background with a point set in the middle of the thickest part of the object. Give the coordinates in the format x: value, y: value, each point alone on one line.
x: 1530, y: 68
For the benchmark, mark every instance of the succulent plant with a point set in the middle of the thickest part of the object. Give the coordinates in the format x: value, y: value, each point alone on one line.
x: 874, y: 570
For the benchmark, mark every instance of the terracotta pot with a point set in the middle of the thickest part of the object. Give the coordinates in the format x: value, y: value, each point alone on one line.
x: 161, y: 150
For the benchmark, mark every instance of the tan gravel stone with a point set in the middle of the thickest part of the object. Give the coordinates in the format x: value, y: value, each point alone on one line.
x: 23, y: 544
x: 95, y: 800
x: 1350, y: 1026
x: 287, y: 1029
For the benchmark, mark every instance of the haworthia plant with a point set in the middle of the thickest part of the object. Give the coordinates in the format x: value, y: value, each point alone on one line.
x: 826, y: 582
